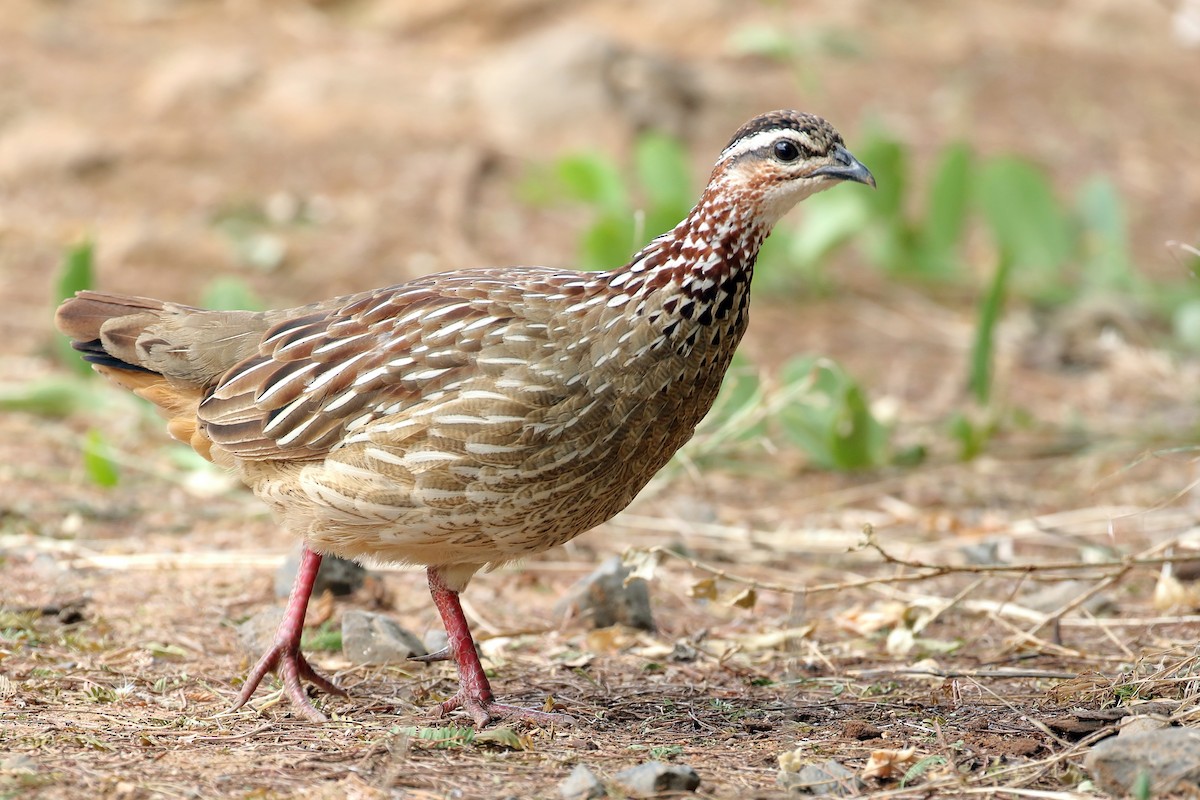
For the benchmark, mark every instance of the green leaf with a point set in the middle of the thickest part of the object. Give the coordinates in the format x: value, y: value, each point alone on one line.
x: 75, y: 275
x: 97, y: 460
x: 665, y: 176
x: 593, y: 178
x: 608, y: 243
x: 55, y: 397
x: 979, y: 380
x: 230, y: 293
x: 830, y: 220
x: 829, y: 417
x: 501, y: 737
x: 741, y: 391
x: 887, y: 159
x: 327, y: 637
x: 1105, y: 241
x: 921, y: 767
x: 1026, y: 219
x: 766, y: 41
x: 945, y: 217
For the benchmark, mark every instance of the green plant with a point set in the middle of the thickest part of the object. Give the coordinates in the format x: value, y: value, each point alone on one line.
x: 75, y: 275
x: 98, y: 460
x: 628, y: 211
x: 230, y: 293
x: 326, y: 637
x: 828, y: 417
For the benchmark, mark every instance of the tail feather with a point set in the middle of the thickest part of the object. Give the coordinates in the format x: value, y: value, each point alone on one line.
x: 167, y: 353
x: 93, y: 352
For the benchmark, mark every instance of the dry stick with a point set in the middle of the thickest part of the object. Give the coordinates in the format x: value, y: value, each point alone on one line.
x: 1112, y: 637
x: 1127, y: 565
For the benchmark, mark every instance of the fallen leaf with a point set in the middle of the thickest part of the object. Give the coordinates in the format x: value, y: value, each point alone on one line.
x: 889, y: 764
x: 867, y: 621
x: 704, y: 589
x: 1171, y: 594
x: 744, y: 599
x: 320, y: 610
x: 642, y: 564
x: 774, y: 640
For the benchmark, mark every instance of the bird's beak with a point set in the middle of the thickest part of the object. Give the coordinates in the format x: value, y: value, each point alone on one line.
x: 846, y: 168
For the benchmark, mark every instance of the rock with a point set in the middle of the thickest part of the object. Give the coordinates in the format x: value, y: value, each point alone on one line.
x: 577, y: 88
x: 604, y: 599
x: 581, y: 784
x: 204, y: 78
x: 46, y: 145
x: 375, y: 639
x: 326, y: 97
x: 258, y: 632
x: 1142, y: 723
x: 1167, y: 761
x: 654, y: 778
x: 339, y: 576
x: 822, y: 778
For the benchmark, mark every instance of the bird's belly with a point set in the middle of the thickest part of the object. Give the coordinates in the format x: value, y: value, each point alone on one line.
x: 466, y: 511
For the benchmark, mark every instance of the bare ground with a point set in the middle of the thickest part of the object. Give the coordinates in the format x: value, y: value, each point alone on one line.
x: 119, y: 655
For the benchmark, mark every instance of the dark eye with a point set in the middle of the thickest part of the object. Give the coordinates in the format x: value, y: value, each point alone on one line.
x: 786, y: 150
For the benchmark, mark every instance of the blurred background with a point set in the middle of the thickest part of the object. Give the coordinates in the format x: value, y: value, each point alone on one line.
x: 1023, y: 278
x: 1006, y: 332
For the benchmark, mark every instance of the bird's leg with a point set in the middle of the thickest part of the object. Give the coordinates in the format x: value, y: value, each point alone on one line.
x: 474, y: 692
x: 284, y: 655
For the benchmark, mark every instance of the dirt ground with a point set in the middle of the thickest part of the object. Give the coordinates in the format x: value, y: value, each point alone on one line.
x: 312, y: 149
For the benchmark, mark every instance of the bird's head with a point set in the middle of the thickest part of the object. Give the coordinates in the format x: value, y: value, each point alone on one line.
x: 777, y: 159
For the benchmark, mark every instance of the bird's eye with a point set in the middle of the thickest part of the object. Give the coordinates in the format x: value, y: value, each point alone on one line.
x: 786, y: 150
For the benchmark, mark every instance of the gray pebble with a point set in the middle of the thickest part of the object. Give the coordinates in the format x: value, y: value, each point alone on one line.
x: 654, y: 778
x: 581, y: 784
x: 376, y: 639
x: 258, y: 632
x: 339, y: 576
x: 1167, y: 760
x: 822, y: 778
x: 604, y: 599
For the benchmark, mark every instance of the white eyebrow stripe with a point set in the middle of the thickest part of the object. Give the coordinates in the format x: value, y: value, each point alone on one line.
x: 764, y: 138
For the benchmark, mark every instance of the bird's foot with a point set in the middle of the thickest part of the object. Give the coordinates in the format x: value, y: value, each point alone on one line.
x: 289, y: 662
x: 483, y: 711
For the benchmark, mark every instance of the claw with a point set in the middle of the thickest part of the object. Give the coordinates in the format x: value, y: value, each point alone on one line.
x: 474, y: 693
x: 445, y: 654
x: 284, y: 655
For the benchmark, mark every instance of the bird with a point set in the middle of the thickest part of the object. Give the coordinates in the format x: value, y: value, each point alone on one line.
x: 469, y: 418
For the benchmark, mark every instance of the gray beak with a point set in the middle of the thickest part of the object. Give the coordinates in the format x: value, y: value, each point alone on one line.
x: 846, y: 168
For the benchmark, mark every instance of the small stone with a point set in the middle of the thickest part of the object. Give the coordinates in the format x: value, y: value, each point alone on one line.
x: 581, y: 784
x: 51, y: 146
x: 604, y: 599
x: 1168, y: 759
x: 258, y: 632
x: 822, y: 778
x: 1142, y: 723
x: 654, y: 778
x: 339, y: 576
x: 375, y: 639
x: 204, y: 78
x: 576, y: 87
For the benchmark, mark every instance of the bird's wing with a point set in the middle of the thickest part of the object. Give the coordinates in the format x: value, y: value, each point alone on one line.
x: 323, y: 371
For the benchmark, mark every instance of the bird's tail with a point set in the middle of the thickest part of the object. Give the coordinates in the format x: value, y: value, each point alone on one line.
x: 166, y: 353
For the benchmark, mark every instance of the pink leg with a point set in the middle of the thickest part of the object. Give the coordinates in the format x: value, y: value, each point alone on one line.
x: 474, y: 692
x: 284, y: 655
